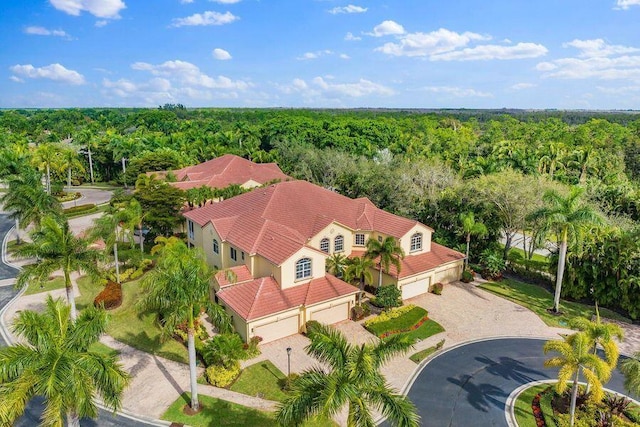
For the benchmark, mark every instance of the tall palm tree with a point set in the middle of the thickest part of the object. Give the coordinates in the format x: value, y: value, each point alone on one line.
x: 353, y: 379
x: 27, y: 201
x: 631, y: 369
x: 471, y: 227
x: 177, y: 290
x: 359, y: 268
x: 388, y: 252
x: 56, y: 248
x: 569, y: 217
x: 601, y: 334
x: 68, y: 162
x: 574, y: 358
x: 47, y: 156
x: 55, y: 362
x: 336, y: 264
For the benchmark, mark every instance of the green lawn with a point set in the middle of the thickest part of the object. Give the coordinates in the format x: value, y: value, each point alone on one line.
x: 523, y: 410
x: 427, y: 329
x: 100, y: 348
x: 405, y: 321
x: 538, y: 300
x: 261, y: 379
x: 216, y: 412
x: 423, y: 354
x: 518, y: 254
x: 34, y: 288
x: 127, y: 326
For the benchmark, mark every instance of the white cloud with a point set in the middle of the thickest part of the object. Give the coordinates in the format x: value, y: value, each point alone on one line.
x: 16, y: 79
x: 190, y: 75
x: 55, y: 72
x: 41, y: 31
x: 314, y: 55
x: 206, y: 18
x: 387, y: 28
x: 109, y: 9
x: 186, y: 1
x: 225, y: 1
x: 625, y: 4
x: 458, y: 92
x: 595, y: 59
x: 598, y: 48
x: 522, y: 86
x: 221, y: 54
x: 490, y: 52
x: 344, y: 56
x: 101, y: 23
x: 618, y: 90
x: 351, y: 37
x: 348, y: 9
x: 324, y: 88
x: 427, y: 44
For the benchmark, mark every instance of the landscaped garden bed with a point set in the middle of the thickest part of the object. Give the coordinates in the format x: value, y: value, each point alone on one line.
x: 409, y: 319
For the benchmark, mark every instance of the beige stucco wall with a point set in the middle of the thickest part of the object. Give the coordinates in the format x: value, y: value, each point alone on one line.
x: 405, y: 241
x: 286, y: 273
x: 239, y: 324
x: 331, y: 231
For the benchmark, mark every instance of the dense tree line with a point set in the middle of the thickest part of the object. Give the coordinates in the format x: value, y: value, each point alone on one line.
x: 427, y: 165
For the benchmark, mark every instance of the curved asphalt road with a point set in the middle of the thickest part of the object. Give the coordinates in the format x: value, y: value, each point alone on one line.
x: 469, y: 385
x: 35, y: 407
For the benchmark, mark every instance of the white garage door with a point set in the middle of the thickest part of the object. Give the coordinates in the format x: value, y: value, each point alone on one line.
x: 276, y: 330
x: 410, y: 290
x: 449, y: 275
x: 331, y: 315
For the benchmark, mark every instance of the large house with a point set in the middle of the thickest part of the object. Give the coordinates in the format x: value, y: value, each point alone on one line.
x: 276, y: 239
x: 226, y: 170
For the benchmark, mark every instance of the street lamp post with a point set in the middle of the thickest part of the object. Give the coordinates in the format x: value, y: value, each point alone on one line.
x: 288, y: 362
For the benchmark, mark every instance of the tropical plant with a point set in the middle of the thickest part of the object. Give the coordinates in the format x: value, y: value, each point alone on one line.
x: 568, y: 217
x: 574, y: 357
x: 177, y: 290
x: 353, y: 378
x: 336, y: 264
x: 223, y: 350
x: 359, y: 268
x: 55, y: 362
x: 601, y: 334
x: 68, y: 162
x: 471, y: 228
x: 47, y: 156
x: 386, y: 252
x: 56, y: 248
x: 631, y: 369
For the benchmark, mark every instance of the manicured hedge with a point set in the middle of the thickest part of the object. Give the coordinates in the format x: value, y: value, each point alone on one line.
x: 407, y: 321
x: 75, y: 210
x: 110, y: 297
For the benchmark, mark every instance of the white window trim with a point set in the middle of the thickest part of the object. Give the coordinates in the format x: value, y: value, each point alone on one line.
x: 328, y: 241
x: 419, y: 238
x: 303, y: 269
x: 335, y: 247
x: 364, y: 238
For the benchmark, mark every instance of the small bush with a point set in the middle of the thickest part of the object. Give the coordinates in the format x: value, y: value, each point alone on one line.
x: 436, y: 288
x: 110, y: 297
x: 74, y: 210
x: 252, y: 350
x: 220, y: 376
x: 468, y: 276
x: 223, y: 350
x: 360, y: 311
x: 493, y: 264
x: 310, y: 325
x: 388, y: 296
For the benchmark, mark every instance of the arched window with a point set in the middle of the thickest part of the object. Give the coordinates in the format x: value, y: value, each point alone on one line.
x: 338, y: 244
x: 303, y: 268
x: 216, y: 247
x: 324, y: 245
x: 416, y: 242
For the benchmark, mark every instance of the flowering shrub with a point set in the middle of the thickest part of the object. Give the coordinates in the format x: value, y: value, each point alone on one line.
x: 110, y: 297
x: 399, y: 331
x: 390, y: 314
x: 219, y: 376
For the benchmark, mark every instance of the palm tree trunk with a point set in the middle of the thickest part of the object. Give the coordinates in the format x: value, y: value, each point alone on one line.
x: 361, y: 290
x: 90, y: 164
x: 71, y: 299
x: 73, y: 420
x: 69, y: 179
x: 48, y: 179
x: 124, y: 171
x: 141, y: 239
x: 561, y: 261
x: 115, y: 255
x: 466, y: 258
x: 574, y: 395
x: 192, y: 369
x: 380, y: 276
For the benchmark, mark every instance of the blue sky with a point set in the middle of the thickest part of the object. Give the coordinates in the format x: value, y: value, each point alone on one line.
x: 566, y: 54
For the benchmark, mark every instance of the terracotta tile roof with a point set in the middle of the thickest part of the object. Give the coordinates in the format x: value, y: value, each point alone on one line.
x: 226, y: 170
x: 263, y: 297
x: 277, y: 220
x: 415, y: 264
x: 241, y: 272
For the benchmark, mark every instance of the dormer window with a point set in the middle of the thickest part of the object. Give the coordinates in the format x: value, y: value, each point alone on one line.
x: 303, y: 268
x: 359, y: 239
x: 416, y: 242
x: 324, y: 245
x: 338, y: 244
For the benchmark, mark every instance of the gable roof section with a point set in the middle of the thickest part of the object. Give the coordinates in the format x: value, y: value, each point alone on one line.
x: 263, y: 297
x: 416, y: 264
x: 226, y: 170
x: 277, y: 220
x: 241, y: 272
